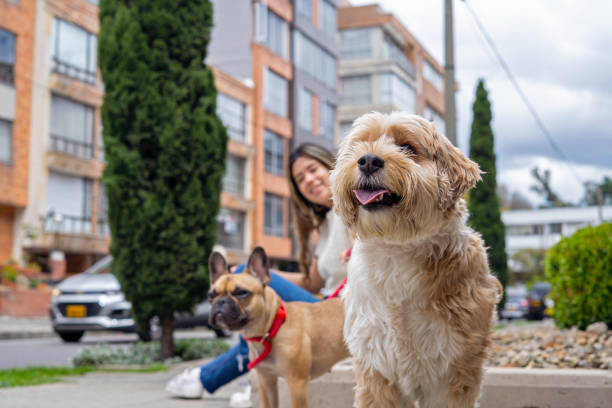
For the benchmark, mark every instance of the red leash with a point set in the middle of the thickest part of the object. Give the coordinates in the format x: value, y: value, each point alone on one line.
x: 279, y: 319
x: 338, y: 289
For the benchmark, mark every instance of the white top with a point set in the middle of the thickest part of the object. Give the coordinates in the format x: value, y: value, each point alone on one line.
x: 333, y: 241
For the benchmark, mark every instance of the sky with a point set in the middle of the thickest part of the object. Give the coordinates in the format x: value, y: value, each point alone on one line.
x: 560, y: 52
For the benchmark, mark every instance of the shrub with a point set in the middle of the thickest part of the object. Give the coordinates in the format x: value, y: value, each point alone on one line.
x: 142, y: 354
x: 579, y: 269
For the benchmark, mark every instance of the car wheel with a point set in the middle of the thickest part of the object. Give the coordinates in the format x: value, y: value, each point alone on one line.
x: 71, y: 336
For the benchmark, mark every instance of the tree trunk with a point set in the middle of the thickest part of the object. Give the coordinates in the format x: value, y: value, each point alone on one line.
x: 167, y: 337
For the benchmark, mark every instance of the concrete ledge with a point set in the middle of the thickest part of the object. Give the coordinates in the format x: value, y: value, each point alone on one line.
x: 502, y: 388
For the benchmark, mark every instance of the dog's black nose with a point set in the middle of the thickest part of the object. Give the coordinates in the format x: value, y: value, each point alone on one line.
x: 370, y: 163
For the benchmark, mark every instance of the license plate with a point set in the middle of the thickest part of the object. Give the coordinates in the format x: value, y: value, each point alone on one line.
x: 76, y: 311
x: 535, y: 303
x: 511, y: 308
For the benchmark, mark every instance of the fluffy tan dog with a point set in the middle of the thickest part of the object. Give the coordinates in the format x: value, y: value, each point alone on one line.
x: 420, y: 297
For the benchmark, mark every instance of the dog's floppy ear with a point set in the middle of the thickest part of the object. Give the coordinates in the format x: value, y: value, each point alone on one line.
x: 258, y: 265
x: 217, y: 266
x: 456, y: 173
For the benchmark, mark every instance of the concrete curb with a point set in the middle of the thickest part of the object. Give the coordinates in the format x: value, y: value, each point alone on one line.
x: 502, y: 388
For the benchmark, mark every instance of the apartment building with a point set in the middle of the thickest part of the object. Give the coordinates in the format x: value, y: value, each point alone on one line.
x: 52, y: 201
x: 286, y: 50
x: 383, y: 67
x: 543, y: 228
x: 16, y: 87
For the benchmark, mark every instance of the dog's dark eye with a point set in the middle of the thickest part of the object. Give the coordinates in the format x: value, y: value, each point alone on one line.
x: 241, y: 293
x: 212, y: 295
x: 407, y: 148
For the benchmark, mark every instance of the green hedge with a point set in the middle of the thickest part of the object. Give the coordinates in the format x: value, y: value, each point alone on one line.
x: 579, y: 269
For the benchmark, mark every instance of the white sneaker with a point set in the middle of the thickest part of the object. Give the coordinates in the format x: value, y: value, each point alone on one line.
x: 241, y: 399
x: 186, y: 384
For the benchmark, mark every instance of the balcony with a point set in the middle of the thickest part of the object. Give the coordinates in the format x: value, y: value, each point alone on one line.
x: 67, y: 224
x: 82, y: 150
x: 72, y: 71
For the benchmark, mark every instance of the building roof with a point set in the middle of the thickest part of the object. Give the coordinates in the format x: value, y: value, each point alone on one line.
x: 588, y: 215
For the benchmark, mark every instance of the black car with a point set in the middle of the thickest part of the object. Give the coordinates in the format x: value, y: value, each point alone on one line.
x: 537, y: 300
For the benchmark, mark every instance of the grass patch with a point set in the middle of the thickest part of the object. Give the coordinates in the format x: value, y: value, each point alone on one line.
x: 19, y: 377
x: 153, y: 368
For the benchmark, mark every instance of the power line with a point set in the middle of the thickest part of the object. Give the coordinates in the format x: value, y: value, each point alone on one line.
x: 519, y: 90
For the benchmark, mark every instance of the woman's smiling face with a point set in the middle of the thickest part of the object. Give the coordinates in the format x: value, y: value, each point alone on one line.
x: 312, y: 179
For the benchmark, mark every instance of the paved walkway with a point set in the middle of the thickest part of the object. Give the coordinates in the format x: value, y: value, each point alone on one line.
x: 100, y: 389
x: 104, y: 390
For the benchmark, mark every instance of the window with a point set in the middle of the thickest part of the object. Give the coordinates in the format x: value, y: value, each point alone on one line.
x: 6, y: 141
x: 393, y: 51
x: 356, y: 90
x: 271, y: 30
x: 275, y: 94
x: 345, y: 128
x: 231, y: 228
x: 232, y: 114
x: 275, y: 153
x: 555, y: 228
x: 102, y: 210
x: 304, y: 7
x: 311, y: 58
x: 327, y: 18
x: 7, y: 57
x: 355, y: 43
x: 233, y: 179
x: 71, y: 127
x: 74, y: 51
x: 433, y: 76
x: 69, y: 199
x: 435, y: 117
x: 327, y: 119
x: 397, y: 92
x: 274, y: 215
x: 305, y: 109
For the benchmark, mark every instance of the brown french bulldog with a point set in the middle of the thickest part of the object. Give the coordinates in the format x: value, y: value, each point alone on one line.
x: 307, y: 344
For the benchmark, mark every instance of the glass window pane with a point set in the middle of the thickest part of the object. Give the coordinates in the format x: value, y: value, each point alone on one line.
x: 355, y: 43
x: 233, y: 115
x: 231, y: 228
x: 274, y: 153
x: 305, y: 109
x: 274, y: 215
x: 7, y: 47
x: 356, y: 90
x: 234, y: 177
x: 275, y: 94
x: 6, y: 141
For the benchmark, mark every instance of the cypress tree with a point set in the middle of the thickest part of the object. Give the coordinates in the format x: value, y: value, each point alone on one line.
x: 165, y: 150
x: 483, y: 203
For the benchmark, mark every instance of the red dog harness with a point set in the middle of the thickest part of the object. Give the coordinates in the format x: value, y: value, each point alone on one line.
x: 279, y: 319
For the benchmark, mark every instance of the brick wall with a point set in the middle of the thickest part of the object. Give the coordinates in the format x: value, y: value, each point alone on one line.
x: 25, y: 303
x: 19, y: 19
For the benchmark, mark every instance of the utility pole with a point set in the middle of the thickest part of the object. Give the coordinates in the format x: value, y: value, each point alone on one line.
x: 449, y: 74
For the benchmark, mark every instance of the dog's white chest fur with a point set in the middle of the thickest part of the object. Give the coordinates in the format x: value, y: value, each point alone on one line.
x: 388, y: 326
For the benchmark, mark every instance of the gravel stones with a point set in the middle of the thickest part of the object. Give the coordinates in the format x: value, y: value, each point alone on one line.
x: 544, y: 346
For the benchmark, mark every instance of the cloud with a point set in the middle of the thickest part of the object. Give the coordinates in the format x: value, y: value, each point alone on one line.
x: 558, y: 51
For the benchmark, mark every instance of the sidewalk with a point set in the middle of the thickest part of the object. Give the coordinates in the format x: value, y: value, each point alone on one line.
x: 104, y: 390
x: 100, y: 389
x: 25, y: 327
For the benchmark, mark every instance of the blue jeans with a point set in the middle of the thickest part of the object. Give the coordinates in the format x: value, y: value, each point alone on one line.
x: 233, y: 363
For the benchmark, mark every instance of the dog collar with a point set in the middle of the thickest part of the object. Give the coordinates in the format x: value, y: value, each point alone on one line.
x: 279, y: 319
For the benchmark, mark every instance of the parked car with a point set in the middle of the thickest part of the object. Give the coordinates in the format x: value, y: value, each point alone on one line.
x: 538, y: 301
x: 93, y: 300
x: 516, y: 306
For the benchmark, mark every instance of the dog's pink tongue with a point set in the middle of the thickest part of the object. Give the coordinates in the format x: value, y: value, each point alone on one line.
x: 367, y: 196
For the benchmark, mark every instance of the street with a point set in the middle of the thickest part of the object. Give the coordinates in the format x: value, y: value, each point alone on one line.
x: 49, y: 351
